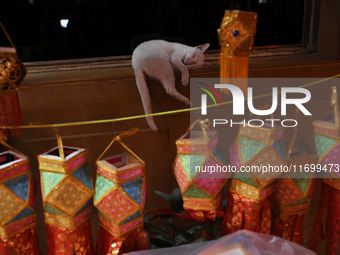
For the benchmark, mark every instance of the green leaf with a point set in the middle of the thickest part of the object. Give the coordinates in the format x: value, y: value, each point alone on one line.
x: 160, y: 243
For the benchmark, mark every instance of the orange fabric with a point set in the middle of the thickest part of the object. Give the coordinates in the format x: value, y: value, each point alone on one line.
x: 246, y: 213
x: 289, y: 227
x: 107, y: 244
x: 62, y: 241
x: 330, y: 197
x: 24, y: 242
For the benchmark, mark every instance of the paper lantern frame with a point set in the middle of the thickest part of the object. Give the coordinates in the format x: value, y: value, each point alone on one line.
x: 66, y: 193
x: 327, y: 133
x: 236, y: 38
x: 302, y: 187
x: 202, y: 144
x: 263, y: 137
x: 120, y: 191
x: 13, y: 71
x: 21, y: 214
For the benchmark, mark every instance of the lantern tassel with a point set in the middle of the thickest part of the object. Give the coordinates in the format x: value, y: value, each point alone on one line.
x: 10, y: 113
x: 232, y: 68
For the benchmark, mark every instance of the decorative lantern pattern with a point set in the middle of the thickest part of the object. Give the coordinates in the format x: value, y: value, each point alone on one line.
x: 292, y: 196
x: 327, y: 140
x: 202, y: 193
x: 236, y: 36
x: 67, y: 191
x: 248, y: 203
x: 17, y: 203
x: 12, y: 72
x: 120, y: 198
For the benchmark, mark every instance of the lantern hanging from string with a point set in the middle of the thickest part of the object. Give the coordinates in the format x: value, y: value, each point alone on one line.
x: 202, y: 191
x: 12, y: 72
x: 248, y: 204
x: 236, y: 37
x: 67, y: 191
x: 293, y: 191
x: 120, y: 198
x: 17, y: 202
x: 327, y: 140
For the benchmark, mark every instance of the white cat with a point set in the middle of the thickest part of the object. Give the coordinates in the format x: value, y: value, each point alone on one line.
x: 157, y: 59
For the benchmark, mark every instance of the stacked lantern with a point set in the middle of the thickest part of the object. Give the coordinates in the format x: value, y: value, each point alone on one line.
x: 67, y: 191
x: 327, y: 140
x: 293, y: 192
x: 17, y: 202
x: 248, y: 201
x: 120, y: 198
x: 198, y: 151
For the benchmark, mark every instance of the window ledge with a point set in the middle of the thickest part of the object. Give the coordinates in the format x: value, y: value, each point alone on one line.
x: 125, y: 61
x: 257, y: 66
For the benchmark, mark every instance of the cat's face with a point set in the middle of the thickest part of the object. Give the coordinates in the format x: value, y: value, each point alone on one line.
x: 196, y: 54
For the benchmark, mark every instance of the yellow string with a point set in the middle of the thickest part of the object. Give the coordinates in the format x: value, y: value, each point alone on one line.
x: 205, y: 124
x: 152, y: 114
x: 9, y: 38
x: 292, y: 141
x: 3, y: 139
x: 57, y: 134
x: 334, y: 103
x: 131, y: 132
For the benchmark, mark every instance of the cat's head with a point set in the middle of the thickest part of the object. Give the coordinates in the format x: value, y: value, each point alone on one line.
x: 196, y: 54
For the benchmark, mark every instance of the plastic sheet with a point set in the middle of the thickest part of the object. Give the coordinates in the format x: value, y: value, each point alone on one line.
x: 239, y: 243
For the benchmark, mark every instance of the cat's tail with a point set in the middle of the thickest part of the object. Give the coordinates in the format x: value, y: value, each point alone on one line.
x: 145, y: 95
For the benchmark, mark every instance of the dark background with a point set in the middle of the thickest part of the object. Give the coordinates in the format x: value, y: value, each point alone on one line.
x: 99, y: 28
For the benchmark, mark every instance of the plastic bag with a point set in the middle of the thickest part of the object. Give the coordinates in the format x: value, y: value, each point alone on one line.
x: 242, y: 242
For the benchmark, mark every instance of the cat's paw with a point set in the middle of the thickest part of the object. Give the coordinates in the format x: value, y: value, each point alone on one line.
x: 188, y: 103
x: 185, y: 80
x: 206, y: 64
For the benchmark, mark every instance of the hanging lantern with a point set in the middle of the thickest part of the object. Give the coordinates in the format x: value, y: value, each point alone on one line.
x: 293, y: 192
x: 67, y: 191
x: 12, y: 72
x: 120, y: 198
x: 248, y: 201
x: 327, y: 140
x: 197, y: 151
x: 17, y: 203
x: 236, y: 37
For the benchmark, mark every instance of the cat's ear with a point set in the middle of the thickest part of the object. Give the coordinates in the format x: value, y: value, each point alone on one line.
x: 203, y: 47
